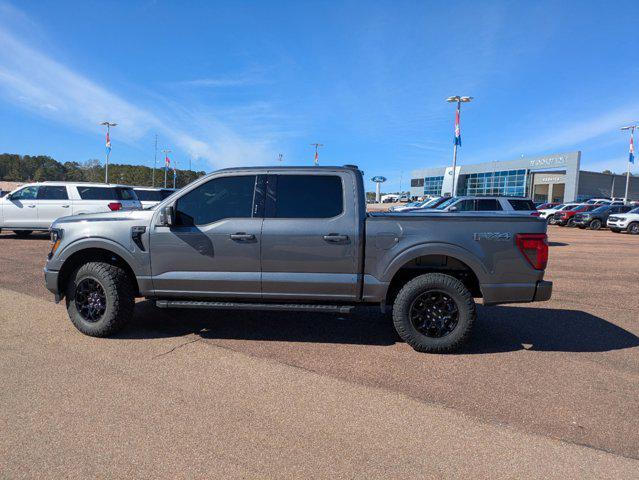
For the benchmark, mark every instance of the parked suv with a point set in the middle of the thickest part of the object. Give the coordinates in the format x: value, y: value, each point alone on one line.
x: 627, y: 221
x: 598, y: 217
x: 151, y: 196
x: 549, y: 213
x: 35, y: 206
x: 565, y: 218
x: 488, y: 204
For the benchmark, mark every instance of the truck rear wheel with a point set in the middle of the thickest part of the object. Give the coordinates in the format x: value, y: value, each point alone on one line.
x: 99, y: 299
x: 434, y: 313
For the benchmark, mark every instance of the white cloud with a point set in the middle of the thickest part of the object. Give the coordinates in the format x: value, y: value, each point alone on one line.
x: 34, y: 81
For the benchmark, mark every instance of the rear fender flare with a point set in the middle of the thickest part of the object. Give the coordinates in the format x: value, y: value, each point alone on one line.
x: 446, y: 249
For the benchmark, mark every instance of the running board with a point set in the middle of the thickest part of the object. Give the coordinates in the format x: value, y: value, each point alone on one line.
x: 279, y: 307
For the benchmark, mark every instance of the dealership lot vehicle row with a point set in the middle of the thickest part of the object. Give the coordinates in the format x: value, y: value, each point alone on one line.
x: 569, y: 370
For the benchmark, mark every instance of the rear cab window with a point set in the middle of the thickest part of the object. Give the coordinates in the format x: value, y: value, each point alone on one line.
x: 521, y: 204
x: 304, y: 196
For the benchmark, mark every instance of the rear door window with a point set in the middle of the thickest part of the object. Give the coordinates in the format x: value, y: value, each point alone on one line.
x: 305, y: 196
x: 488, y: 205
x: 520, y: 205
x: 50, y: 192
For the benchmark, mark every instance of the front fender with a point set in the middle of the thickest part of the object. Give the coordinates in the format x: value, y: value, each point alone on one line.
x: 139, y: 262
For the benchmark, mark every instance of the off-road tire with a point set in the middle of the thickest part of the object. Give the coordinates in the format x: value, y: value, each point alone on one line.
x: 23, y: 233
x: 119, y: 293
x: 452, y: 288
x: 595, y: 224
x: 633, y: 228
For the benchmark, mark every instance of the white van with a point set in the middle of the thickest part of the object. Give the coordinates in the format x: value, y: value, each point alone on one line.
x: 35, y: 206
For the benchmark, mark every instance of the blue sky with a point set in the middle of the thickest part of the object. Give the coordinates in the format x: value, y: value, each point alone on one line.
x: 237, y: 82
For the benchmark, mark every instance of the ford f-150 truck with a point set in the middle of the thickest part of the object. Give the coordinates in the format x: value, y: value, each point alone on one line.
x: 295, y: 238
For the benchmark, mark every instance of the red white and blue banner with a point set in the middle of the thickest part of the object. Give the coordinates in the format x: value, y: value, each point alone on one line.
x: 631, y: 155
x: 457, y: 129
x: 167, y: 162
x: 108, y: 143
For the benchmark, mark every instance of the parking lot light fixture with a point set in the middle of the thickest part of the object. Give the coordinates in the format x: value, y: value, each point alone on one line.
x: 458, y: 99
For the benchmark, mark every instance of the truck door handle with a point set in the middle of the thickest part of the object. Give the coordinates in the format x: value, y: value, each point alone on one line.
x: 31, y: 206
x: 65, y: 206
x: 335, y: 238
x: 242, y: 237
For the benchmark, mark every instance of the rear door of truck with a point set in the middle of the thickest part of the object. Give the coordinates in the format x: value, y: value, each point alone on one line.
x: 310, y: 236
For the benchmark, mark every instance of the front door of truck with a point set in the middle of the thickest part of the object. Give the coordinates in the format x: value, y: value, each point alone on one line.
x: 213, y: 249
x: 310, y: 237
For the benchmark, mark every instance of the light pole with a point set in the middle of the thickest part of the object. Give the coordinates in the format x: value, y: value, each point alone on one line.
x: 166, y: 163
x: 631, y: 157
x: 316, y: 145
x: 458, y: 100
x: 155, y: 160
x: 108, y: 149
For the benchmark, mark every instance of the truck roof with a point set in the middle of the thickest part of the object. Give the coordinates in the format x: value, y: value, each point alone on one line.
x: 290, y: 167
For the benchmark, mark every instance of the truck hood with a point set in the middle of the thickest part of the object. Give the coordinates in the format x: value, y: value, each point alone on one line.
x: 141, y: 215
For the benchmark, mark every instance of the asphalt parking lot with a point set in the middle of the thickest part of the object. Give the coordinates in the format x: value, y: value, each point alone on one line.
x: 549, y: 389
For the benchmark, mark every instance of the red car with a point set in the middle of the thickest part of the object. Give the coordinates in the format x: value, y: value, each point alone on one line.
x: 565, y: 218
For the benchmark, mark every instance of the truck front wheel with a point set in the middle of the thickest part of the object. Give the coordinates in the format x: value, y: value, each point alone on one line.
x: 434, y: 313
x: 99, y: 299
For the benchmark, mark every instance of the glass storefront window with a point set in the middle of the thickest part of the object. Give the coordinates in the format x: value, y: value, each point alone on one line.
x: 433, y: 185
x: 510, y: 183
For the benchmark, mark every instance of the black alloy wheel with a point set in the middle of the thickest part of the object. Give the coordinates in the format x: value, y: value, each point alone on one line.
x: 434, y: 314
x: 90, y: 299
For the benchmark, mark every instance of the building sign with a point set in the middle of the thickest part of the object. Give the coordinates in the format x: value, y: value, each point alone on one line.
x: 545, y: 179
x: 378, y: 179
x: 545, y: 162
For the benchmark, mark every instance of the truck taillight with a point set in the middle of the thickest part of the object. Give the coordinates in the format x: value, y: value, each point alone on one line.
x: 115, y: 206
x: 534, y: 247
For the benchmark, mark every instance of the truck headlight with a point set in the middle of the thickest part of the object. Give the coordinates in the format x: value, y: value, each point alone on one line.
x: 56, y: 238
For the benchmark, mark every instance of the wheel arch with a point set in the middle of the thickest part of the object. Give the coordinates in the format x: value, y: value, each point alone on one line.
x: 94, y: 254
x: 435, y: 258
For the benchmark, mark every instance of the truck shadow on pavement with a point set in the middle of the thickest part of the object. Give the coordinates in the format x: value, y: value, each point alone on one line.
x: 498, y: 329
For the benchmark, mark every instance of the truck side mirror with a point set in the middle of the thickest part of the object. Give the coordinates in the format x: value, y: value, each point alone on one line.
x: 167, y: 216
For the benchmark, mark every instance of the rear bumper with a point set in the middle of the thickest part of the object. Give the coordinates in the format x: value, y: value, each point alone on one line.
x: 495, y: 294
x: 51, y: 282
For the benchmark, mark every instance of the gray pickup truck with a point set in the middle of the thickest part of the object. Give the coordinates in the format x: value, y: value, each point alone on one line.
x: 295, y: 238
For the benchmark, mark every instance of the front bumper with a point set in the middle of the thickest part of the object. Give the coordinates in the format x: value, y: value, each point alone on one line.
x: 51, y: 282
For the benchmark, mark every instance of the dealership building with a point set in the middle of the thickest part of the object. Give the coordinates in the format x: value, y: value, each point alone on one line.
x: 552, y: 178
